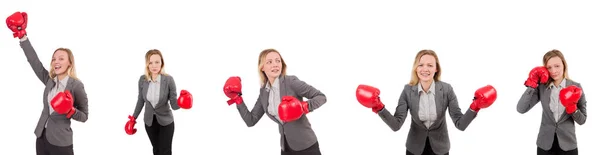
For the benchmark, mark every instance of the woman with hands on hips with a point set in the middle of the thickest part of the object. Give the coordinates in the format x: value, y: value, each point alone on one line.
x: 158, y: 93
x: 281, y: 98
x: 427, y: 98
x: 64, y: 96
x: 563, y: 104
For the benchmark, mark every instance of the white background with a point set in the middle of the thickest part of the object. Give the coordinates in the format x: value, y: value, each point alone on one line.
x: 333, y: 45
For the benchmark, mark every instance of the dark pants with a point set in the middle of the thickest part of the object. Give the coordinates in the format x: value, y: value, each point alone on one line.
x: 312, y: 150
x: 555, y: 150
x: 427, y: 151
x: 43, y: 147
x: 161, y: 137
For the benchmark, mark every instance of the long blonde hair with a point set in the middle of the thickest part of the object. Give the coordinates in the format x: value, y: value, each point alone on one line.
x: 556, y: 53
x: 147, y: 72
x: 71, y: 70
x: 414, y: 79
x: 262, y: 57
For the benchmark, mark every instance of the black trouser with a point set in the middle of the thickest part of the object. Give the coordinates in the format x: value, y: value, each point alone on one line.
x: 43, y: 147
x: 161, y: 137
x: 556, y: 150
x: 427, y: 150
x: 312, y: 150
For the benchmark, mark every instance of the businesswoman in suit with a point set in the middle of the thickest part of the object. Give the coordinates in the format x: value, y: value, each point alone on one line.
x: 427, y: 98
x: 563, y: 104
x: 64, y: 96
x: 158, y: 92
x: 281, y: 98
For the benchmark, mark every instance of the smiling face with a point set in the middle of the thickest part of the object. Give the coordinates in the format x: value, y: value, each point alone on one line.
x: 426, y: 68
x: 272, y: 65
x: 155, y: 64
x: 60, y: 62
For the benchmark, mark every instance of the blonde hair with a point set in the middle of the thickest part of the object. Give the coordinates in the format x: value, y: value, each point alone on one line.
x: 71, y: 70
x: 262, y: 57
x: 147, y: 72
x: 556, y: 53
x: 414, y: 79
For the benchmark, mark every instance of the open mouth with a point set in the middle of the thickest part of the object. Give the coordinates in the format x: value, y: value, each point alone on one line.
x: 425, y: 74
x: 274, y: 70
x: 57, y: 67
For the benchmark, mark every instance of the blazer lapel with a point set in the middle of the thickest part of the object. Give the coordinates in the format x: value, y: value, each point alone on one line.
x: 545, y: 94
x: 439, y: 99
x: 440, y: 103
x: 49, y: 85
x: 282, y: 87
x: 69, y: 85
x: 163, y: 90
x: 414, y: 104
x: 145, y: 90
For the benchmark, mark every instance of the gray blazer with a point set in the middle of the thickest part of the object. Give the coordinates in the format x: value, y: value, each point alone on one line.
x: 168, y: 94
x: 58, y: 129
x: 438, y: 132
x: 565, y: 128
x: 299, y: 133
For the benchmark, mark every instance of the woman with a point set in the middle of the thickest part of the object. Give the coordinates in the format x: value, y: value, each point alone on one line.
x: 157, y: 91
x: 64, y: 96
x: 563, y: 104
x: 427, y: 98
x: 281, y: 98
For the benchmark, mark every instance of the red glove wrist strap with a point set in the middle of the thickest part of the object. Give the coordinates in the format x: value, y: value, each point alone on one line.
x: 305, y: 107
x: 71, y: 112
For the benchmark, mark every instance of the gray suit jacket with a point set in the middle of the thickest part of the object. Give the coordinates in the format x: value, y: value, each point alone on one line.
x: 438, y: 132
x: 564, y: 128
x: 168, y: 96
x: 58, y: 130
x: 299, y: 134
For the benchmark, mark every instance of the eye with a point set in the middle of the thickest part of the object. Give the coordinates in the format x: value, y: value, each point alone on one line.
x: 420, y: 65
x: 278, y: 61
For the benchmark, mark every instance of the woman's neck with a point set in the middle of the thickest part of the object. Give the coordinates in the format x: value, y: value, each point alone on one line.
x: 426, y: 84
x: 61, y: 76
x: 558, y: 81
x: 154, y: 76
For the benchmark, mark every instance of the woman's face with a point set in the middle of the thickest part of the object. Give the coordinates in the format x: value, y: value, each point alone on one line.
x: 155, y: 64
x: 556, y: 68
x: 272, y: 65
x: 60, y: 62
x: 426, y: 68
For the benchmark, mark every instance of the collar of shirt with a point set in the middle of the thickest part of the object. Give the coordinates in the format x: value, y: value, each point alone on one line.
x: 562, y: 84
x: 275, y: 85
x: 156, y: 80
x: 62, y: 82
x: 431, y: 88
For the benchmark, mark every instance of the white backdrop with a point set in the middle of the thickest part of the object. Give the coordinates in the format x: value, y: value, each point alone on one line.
x: 333, y: 45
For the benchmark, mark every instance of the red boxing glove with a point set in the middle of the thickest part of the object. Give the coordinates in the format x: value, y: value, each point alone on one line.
x: 368, y: 96
x: 569, y: 97
x: 484, y: 97
x: 537, y: 75
x: 291, y: 109
x: 17, y: 23
x: 185, y: 99
x: 130, y: 126
x: 62, y: 103
x: 233, y: 90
